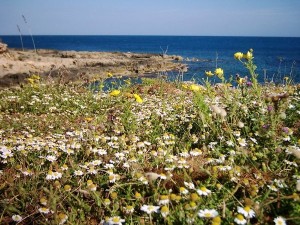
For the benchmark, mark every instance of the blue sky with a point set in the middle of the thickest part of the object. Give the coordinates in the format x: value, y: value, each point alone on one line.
x: 152, y: 17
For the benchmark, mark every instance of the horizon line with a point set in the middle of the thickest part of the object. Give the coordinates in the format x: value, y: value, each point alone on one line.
x: 153, y: 35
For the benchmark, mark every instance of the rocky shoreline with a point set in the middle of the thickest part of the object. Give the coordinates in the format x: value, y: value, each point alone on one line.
x: 17, y: 65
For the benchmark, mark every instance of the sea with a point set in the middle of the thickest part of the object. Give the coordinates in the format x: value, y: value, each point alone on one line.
x: 275, y: 57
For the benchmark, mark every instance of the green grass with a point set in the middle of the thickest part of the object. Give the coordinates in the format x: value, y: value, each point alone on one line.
x: 69, y: 155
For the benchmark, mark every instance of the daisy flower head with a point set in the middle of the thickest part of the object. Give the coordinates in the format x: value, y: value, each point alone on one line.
x: 208, y: 213
x: 183, y: 190
x: 189, y: 185
x: 150, y: 208
x: 53, y: 175
x: 272, y: 187
x: 164, y: 211
x: 246, y: 211
x: 203, y: 191
x: 62, y: 218
x: 107, y: 202
x: 216, y: 220
x: 137, y: 195
x: 78, y: 173
x: 44, y: 210
x: 239, y: 219
x: 242, y: 142
x: 164, y: 200
x: 43, y: 201
x: 67, y: 187
x: 92, y: 187
x: 279, y: 221
x: 116, y: 220
x: 17, y: 218
x: 129, y: 209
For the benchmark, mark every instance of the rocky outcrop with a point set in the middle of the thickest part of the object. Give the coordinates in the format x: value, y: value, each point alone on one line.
x: 3, y: 48
x: 16, y: 65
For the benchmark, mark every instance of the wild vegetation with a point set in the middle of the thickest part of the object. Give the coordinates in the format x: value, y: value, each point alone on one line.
x: 151, y: 153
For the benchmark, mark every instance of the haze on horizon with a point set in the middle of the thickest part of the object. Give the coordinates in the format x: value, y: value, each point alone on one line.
x: 156, y: 17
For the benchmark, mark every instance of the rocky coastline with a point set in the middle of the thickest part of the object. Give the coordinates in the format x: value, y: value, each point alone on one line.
x: 16, y: 65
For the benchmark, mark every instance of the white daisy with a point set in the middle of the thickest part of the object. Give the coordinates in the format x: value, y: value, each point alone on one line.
x: 203, y: 191
x: 116, y: 220
x: 239, y: 219
x: 279, y: 221
x: 17, y: 218
x: 246, y: 211
x: 208, y: 213
x: 150, y: 208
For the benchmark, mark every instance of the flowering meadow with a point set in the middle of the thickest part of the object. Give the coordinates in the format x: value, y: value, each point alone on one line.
x: 152, y: 153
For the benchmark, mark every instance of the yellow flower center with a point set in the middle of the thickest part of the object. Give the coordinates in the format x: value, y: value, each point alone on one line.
x: 207, y: 215
x: 203, y: 189
x: 116, y: 219
x: 247, y: 209
x: 164, y: 209
x: 164, y: 197
x: 240, y: 217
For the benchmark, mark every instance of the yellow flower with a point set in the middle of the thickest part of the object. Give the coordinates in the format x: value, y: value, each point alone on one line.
x: 33, y: 79
x: 219, y: 72
x: 164, y: 211
x: 114, y: 195
x: 88, y: 119
x: 137, y: 195
x: 43, y: 201
x: 138, y: 98
x: 62, y: 218
x: 114, y: 93
x: 195, y: 87
x: 238, y: 55
x: 109, y: 74
x: 209, y: 73
x: 216, y: 220
x: 185, y: 86
x: 241, y: 80
x: 248, y: 55
x: 67, y: 187
x: 194, y: 197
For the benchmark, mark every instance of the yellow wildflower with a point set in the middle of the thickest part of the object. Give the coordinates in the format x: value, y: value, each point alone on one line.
x: 248, y: 55
x: 219, y: 72
x: 241, y: 80
x: 115, y: 93
x: 195, y: 87
x: 164, y: 211
x: 88, y: 119
x: 137, y: 195
x: 185, y: 86
x: 138, y: 98
x: 109, y: 74
x: 216, y: 220
x: 67, y: 187
x: 209, y: 73
x: 238, y: 55
x: 114, y: 195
